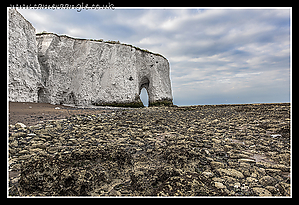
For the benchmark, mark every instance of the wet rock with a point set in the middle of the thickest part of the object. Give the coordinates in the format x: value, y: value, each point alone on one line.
x: 261, y: 191
x: 216, y: 165
x: 267, y: 181
x: 230, y: 172
x: 272, y: 189
x: 103, y: 155
x: 273, y: 172
x: 284, y: 188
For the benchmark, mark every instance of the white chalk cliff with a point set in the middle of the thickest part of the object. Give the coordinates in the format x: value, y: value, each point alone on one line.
x: 80, y: 71
x: 23, y: 67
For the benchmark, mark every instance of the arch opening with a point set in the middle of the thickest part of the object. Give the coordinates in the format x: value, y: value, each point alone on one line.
x: 144, y: 97
x: 144, y: 91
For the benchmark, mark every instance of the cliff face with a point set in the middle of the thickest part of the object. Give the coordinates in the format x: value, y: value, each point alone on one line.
x: 90, y: 72
x: 82, y: 72
x: 24, y: 69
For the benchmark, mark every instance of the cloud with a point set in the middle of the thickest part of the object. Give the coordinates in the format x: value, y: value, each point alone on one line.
x: 216, y: 55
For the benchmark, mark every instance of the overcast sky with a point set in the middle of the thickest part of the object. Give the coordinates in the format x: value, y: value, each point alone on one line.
x: 216, y: 56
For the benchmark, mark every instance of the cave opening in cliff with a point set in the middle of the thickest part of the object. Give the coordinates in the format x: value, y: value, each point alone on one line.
x: 70, y: 98
x: 43, y: 95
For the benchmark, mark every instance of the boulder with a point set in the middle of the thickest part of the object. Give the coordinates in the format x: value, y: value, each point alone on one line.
x: 230, y: 172
x: 261, y: 191
x: 267, y: 181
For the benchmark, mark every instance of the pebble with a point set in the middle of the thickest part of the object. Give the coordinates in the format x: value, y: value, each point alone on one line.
x: 173, y: 151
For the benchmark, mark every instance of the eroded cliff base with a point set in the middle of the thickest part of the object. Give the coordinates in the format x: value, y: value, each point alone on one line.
x: 138, y: 104
x: 222, y: 150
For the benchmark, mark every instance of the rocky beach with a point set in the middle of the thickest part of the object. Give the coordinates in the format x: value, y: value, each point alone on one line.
x: 205, y: 150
